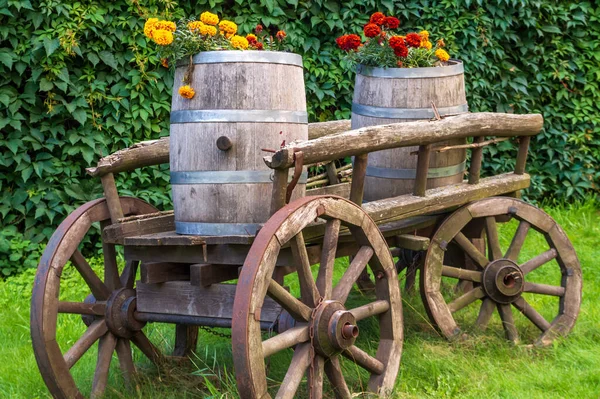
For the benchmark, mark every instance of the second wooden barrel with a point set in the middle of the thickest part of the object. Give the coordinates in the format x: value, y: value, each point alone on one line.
x: 393, y: 95
x: 245, y: 101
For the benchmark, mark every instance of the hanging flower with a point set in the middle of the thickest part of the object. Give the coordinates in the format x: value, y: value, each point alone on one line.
x: 280, y: 35
x: 227, y: 27
x: 442, y: 55
x: 165, y: 25
x: 195, y: 26
x: 348, y: 42
x: 377, y: 18
x: 397, y: 41
x: 162, y: 37
x: 239, y: 42
x: 391, y: 22
x: 208, y: 30
x: 187, y: 92
x: 209, y: 18
x: 401, y: 51
x: 164, y: 62
x: 149, y: 27
x: 372, y: 30
x: 413, y: 40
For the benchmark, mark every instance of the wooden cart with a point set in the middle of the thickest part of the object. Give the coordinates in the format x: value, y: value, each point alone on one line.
x: 279, y: 302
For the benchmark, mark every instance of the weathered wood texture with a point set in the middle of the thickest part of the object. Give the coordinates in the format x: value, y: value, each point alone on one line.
x: 341, y: 190
x: 160, y: 222
x: 376, y: 138
x: 160, y: 272
x: 182, y: 298
x: 156, y: 152
x: 241, y: 86
x: 407, y: 93
x: 205, y: 275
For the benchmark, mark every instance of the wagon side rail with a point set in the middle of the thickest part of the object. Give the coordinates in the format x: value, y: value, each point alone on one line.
x: 425, y: 134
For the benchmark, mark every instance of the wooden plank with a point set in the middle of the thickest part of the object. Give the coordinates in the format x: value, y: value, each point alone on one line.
x: 182, y: 298
x: 160, y: 272
x: 376, y: 138
x: 116, y: 233
x: 422, y: 170
x: 205, y: 274
x: 341, y: 190
x: 172, y: 238
x: 412, y: 242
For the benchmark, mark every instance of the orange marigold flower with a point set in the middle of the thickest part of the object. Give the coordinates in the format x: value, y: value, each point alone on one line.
x: 396, y: 41
x: 400, y: 64
x: 413, y: 39
x: 281, y: 35
x: 164, y: 62
x: 252, y: 39
x: 165, y: 25
x: 377, y: 18
x: 259, y: 46
x: 162, y: 37
x: 227, y: 27
x: 209, y: 18
x: 440, y: 43
x: 442, y: 55
x: 424, y: 34
x: 401, y: 51
x: 391, y: 22
x: 348, y: 42
x: 426, y: 44
x: 149, y: 27
x: 258, y: 29
x: 195, y: 25
x: 208, y: 30
x: 187, y: 92
x: 372, y: 30
x: 239, y: 42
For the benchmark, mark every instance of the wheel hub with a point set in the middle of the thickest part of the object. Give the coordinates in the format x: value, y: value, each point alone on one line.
x: 333, y: 328
x: 120, y: 308
x: 503, y: 281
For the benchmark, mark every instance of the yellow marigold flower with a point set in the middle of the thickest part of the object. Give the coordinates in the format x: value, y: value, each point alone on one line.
x: 239, y: 42
x: 187, y: 92
x: 165, y: 25
x: 227, y: 27
x: 251, y: 37
x: 424, y: 34
x: 442, y: 55
x: 209, y: 18
x: 149, y: 27
x: 208, y: 30
x: 195, y: 25
x: 162, y: 37
x: 426, y: 44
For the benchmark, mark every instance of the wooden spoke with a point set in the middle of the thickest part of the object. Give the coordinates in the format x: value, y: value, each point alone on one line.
x: 94, y: 309
x: 291, y: 381
x: 111, y: 270
x: 485, y: 313
x: 186, y: 340
x: 517, y: 242
x: 471, y: 250
x: 128, y: 276
x: 96, y: 330
x: 285, y: 340
x: 308, y: 289
x: 334, y: 373
x: 98, y: 288
x: 466, y: 299
x: 342, y: 289
x: 544, y: 289
x: 315, y: 377
x: 126, y: 360
x: 461, y: 274
x: 325, y: 276
x: 363, y: 359
x: 493, y: 241
x: 538, y: 261
x: 106, y: 347
x: 370, y: 309
x: 531, y: 314
x: 508, y: 322
x: 143, y: 343
x: 296, y: 308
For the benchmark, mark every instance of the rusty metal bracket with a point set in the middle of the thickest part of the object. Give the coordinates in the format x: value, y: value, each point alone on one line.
x: 298, y: 165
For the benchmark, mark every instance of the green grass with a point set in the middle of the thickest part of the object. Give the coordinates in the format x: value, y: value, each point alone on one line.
x: 482, y: 366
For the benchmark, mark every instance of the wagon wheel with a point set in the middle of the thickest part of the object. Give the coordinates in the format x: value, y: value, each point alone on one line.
x: 107, y: 312
x: 323, y: 331
x: 502, y: 280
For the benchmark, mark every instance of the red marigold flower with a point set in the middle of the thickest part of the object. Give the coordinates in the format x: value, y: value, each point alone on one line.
x: 259, y: 46
x: 372, y: 30
x: 401, y: 51
x: 341, y: 41
x: 413, y: 40
x: 280, y: 35
x: 391, y: 22
x: 400, y: 64
x: 396, y: 41
x: 377, y: 18
x: 348, y: 42
x: 258, y: 29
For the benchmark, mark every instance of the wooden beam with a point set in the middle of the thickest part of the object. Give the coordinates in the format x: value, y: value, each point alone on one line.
x: 116, y: 233
x: 376, y: 138
x: 205, y: 274
x: 160, y: 272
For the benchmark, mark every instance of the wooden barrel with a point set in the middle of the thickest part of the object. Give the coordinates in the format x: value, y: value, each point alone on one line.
x: 245, y: 101
x: 393, y: 95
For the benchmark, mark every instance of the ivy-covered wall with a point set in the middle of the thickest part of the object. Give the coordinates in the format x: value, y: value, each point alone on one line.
x: 78, y: 80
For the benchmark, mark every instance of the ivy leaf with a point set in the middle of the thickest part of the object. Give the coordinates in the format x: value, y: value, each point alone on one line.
x: 26, y: 173
x: 51, y: 45
x: 93, y: 58
x: 46, y: 85
x: 109, y: 59
x: 4, y: 99
x: 80, y: 115
x: 6, y: 58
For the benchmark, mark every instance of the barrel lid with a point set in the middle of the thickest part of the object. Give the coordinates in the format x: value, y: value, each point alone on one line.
x: 237, y: 56
x: 455, y: 67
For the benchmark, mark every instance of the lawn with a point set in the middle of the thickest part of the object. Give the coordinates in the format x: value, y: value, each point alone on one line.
x: 482, y: 366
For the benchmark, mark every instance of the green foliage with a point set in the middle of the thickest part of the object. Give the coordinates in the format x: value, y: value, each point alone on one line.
x: 17, y: 254
x: 78, y: 80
